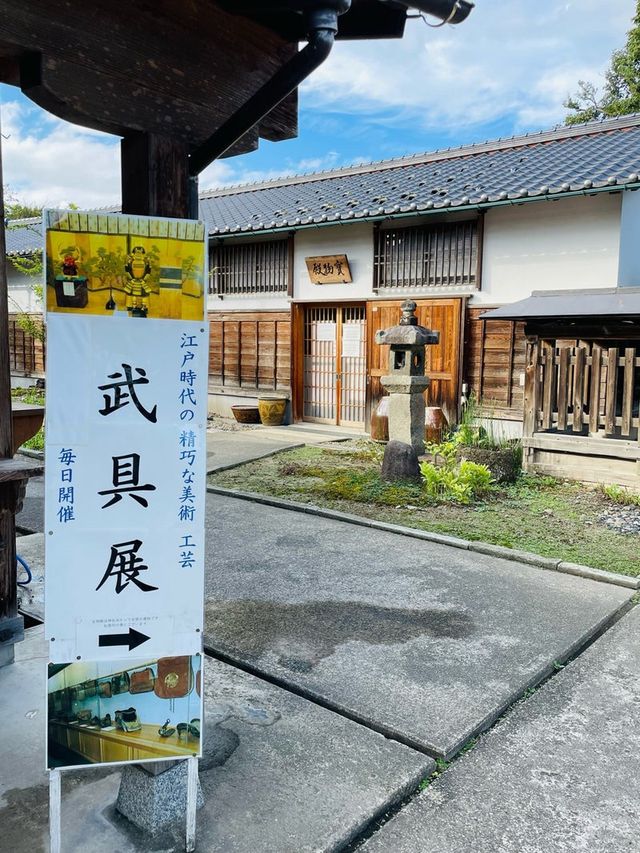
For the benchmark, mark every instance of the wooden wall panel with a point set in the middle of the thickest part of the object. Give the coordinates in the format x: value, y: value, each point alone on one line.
x: 250, y: 349
x: 494, y: 362
x: 443, y: 359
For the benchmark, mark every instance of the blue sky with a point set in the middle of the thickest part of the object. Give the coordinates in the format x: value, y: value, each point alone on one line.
x: 505, y: 71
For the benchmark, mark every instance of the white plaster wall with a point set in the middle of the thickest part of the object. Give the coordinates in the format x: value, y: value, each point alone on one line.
x: 629, y: 263
x: 354, y: 240
x: 568, y: 244
x: 249, y: 302
x: 21, y: 295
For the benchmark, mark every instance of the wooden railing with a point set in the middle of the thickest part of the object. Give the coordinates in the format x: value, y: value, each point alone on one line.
x: 583, y: 389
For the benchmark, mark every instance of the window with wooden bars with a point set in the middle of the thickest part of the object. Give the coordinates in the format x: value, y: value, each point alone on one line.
x: 241, y: 268
x: 442, y: 255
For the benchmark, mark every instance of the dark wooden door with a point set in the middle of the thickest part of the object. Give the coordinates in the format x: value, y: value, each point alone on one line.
x: 442, y: 359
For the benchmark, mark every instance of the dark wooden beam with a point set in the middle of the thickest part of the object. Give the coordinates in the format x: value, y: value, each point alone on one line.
x: 8, y: 588
x: 586, y: 328
x: 365, y: 19
x: 155, y: 176
x: 282, y: 122
x: 6, y: 432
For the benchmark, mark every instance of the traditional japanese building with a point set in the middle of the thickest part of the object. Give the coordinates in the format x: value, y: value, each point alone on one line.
x: 460, y: 231
x: 305, y: 270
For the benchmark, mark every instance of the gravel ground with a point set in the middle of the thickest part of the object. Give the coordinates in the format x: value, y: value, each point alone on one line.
x: 622, y: 519
x: 215, y: 423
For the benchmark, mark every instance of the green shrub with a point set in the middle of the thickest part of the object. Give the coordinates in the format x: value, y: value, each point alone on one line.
x: 32, y: 395
x: 461, y: 483
x: 470, y: 434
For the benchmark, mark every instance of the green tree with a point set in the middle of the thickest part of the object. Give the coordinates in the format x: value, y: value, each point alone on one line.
x: 17, y: 210
x: 621, y: 93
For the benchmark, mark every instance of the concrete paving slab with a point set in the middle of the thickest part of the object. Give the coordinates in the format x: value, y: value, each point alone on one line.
x: 22, y: 692
x: 561, y: 773
x: 423, y: 642
x: 285, y: 775
x: 278, y: 774
x: 228, y: 449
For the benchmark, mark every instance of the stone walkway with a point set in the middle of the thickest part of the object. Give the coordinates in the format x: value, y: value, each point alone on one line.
x: 560, y: 774
x: 422, y: 642
x: 332, y: 634
x: 279, y: 774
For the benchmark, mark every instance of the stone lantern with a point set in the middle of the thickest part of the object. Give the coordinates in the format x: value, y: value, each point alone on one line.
x: 406, y: 380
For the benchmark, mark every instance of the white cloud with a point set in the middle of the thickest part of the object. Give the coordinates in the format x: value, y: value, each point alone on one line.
x: 516, y: 59
x: 52, y: 163
x: 49, y: 162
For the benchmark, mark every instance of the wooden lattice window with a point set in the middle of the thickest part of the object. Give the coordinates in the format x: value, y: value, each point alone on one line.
x: 242, y: 268
x: 442, y: 255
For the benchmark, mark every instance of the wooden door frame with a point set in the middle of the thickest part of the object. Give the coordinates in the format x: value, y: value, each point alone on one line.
x: 297, y: 354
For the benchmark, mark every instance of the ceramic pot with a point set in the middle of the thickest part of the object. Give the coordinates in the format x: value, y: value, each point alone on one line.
x: 246, y: 414
x: 435, y: 423
x: 380, y: 421
x: 272, y: 410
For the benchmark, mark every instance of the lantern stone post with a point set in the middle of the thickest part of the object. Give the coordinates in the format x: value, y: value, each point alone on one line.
x: 406, y: 380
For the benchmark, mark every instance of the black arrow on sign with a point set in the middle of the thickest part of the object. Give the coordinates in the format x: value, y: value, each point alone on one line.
x: 133, y: 639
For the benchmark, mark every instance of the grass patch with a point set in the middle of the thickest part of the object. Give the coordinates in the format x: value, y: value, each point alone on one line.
x: 620, y: 495
x: 549, y: 517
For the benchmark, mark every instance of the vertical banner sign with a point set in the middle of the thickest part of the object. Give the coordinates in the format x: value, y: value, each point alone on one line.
x: 127, y: 363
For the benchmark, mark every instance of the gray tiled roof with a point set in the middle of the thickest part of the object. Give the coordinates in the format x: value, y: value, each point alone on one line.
x: 593, y: 156
x: 568, y: 159
x: 24, y: 236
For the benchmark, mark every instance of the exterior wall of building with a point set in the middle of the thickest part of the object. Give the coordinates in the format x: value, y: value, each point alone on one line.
x: 629, y: 263
x: 356, y: 241
x: 21, y: 295
x: 568, y: 244
x: 249, y: 355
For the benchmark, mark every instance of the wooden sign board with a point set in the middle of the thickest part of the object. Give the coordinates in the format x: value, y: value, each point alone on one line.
x: 329, y: 269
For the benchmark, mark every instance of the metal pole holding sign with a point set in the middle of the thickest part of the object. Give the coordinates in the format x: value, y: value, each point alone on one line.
x: 55, y: 803
x: 127, y: 350
x: 192, y: 801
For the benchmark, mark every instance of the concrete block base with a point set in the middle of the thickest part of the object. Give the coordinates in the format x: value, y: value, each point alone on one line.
x: 149, y: 800
x: 7, y: 654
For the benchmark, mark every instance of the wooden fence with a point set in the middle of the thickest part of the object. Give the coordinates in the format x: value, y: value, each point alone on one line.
x: 26, y: 353
x: 585, y: 389
x: 581, y: 411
